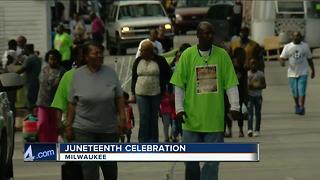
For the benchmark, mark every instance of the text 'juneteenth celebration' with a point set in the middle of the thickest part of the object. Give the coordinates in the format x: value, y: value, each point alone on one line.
x: 124, y: 148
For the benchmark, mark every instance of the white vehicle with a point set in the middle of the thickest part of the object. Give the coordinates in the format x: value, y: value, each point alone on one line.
x: 271, y: 18
x: 129, y: 22
x: 8, y: 82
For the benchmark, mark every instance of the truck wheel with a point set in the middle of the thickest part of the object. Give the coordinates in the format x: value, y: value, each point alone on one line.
x: 113, y: 51
x: 123, y: 51
x: 107, y: 41
x: 120, y: 50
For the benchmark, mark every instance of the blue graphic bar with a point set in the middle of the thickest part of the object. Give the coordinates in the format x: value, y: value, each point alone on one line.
x: 40, y: 152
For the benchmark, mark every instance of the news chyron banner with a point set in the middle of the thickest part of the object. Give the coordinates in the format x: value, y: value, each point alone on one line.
x: 142, y: 152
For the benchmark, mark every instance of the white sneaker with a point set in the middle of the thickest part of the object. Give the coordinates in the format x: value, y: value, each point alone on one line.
x: 256, y: 134
x: 250, y: 133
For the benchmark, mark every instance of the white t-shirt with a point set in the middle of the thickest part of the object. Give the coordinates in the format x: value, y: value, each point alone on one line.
x: 5, y: 55
x: 298, y: 55
x: 156, y: 44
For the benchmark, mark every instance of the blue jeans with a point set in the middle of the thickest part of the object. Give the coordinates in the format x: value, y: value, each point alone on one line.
x: 209, y: 170
x: 254, y: 104
x: 148, y: 111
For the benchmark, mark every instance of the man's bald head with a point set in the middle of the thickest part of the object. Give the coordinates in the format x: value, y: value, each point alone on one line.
x: 203, y: 25
x: 21, y: 41
x: 205, y: 32
x: 297, y: 37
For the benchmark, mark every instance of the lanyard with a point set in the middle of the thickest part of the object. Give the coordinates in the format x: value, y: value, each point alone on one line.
x: 205, y: 58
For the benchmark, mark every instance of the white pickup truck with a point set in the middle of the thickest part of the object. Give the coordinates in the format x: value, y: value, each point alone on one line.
x: 129, y: 22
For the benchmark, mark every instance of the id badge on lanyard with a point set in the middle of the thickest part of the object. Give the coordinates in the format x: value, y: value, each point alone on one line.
x: 206, y: 76
x: 206, y: 79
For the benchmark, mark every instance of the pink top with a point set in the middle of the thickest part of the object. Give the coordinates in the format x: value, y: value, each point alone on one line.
x: 165, y: 105
x: 97, y: 26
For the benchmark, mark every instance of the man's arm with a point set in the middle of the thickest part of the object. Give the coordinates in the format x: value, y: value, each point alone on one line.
x: 23, y: 67
x: 282, y: 61
x: 233, y: 96
x: 134, y: 78
x: 179, y: 98
x: 310, y: 62
x: 283, y: 56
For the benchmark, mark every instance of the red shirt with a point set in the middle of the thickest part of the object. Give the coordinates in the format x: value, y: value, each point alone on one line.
x: 165, y: 106
x: 97, y: 26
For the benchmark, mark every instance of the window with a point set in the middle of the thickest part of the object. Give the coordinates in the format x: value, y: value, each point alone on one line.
x: 290, y: 7
x: 140, y: 10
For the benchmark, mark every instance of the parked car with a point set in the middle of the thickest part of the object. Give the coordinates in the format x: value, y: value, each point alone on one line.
x: 129, y: 22
x: 188, y: 14
x: 8, y: 82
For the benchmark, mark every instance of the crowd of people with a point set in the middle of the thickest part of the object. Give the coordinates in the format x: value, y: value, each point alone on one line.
x: 199, y: 94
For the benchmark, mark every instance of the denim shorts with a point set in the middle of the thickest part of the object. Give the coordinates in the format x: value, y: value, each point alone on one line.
x: 298, y: 85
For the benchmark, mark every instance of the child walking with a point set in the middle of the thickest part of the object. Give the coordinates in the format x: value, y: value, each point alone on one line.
x: 256, y: 82
x: 49, y: 80
x: 176, y: 125
x: 238, y: 58
x: 130, y: 119
x: 166, y: 112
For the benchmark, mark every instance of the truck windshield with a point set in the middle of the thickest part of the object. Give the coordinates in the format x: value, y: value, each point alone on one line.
x: 313, y: 9
x: 140, y: 10
x: 198, y: 3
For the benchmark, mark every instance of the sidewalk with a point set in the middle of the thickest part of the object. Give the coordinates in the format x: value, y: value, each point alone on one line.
x: 289, y: 144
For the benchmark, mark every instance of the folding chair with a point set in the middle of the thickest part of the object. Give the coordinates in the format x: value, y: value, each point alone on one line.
x: 272, y: 43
